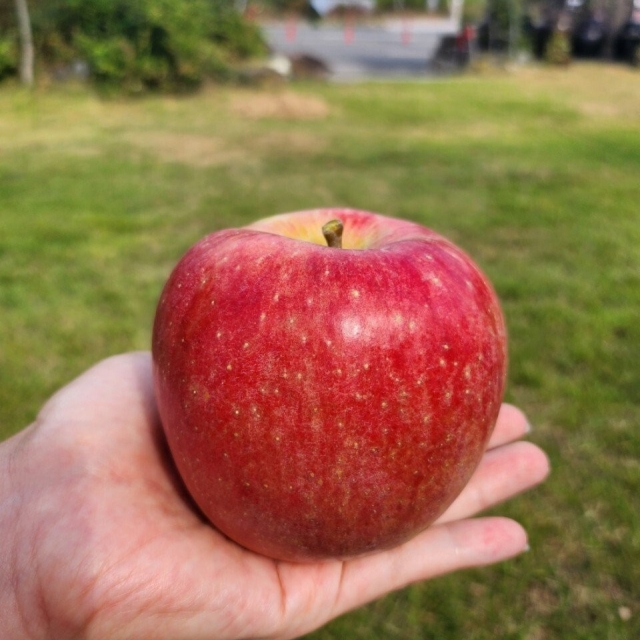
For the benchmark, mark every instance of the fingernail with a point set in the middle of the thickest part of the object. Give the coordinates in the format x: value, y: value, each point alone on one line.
x: 529, y: 428
x: 527, y: 548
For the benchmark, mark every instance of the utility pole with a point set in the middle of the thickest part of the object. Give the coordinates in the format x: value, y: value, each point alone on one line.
x: 26, y: 43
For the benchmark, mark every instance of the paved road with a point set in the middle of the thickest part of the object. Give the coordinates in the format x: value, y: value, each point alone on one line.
x: 397, y: 49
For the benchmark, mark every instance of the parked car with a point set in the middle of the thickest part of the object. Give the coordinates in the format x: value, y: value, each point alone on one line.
x: 627, y: 41
x: 589, y: 36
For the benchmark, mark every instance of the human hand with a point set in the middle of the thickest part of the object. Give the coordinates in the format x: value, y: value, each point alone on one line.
x: 100, y: 540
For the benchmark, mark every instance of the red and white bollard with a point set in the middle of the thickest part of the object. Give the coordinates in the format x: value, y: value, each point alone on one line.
x: 291, y: 29
x: 349, y: 30
x: 405, y: 32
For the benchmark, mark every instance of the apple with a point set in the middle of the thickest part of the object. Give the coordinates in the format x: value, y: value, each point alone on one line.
x: 325, y: 398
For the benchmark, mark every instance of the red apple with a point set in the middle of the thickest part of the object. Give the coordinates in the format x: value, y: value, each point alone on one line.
x: 324, y: 402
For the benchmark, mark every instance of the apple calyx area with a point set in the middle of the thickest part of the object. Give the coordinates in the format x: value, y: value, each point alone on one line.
x: 332, y: 232
x: 325, y: 404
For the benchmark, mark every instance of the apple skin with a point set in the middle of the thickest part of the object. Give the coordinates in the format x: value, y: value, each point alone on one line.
x: 323, y: 402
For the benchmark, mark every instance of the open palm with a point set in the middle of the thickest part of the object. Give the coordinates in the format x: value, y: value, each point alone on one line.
x: 107, y: 544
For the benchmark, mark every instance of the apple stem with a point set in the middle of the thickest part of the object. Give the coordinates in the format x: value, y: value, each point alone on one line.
x: 332, y: 232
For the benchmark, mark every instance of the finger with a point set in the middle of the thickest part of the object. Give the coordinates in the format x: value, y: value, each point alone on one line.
x: 503, y: 473
x: 438, y: 550
x: 511, y: 425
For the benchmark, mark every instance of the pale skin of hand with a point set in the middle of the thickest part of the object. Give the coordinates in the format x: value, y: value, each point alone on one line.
x: 100, y: 541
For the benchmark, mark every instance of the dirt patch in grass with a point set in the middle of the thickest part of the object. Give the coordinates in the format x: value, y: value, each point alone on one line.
x: 209, y: 151
x: 285, y: 105
x: 616, y: 94
x: 186, y: 148
x: 79, y: 141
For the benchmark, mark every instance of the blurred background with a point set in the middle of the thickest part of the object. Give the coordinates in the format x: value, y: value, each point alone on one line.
x: 128, y: 130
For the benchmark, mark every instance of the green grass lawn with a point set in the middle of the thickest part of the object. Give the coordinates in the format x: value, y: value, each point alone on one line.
x: 534, y: 172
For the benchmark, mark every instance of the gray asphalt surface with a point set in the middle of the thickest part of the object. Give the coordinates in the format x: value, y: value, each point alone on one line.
x: 364, y: 51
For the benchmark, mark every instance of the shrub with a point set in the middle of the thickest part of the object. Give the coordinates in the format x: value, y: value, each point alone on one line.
x: 8, y: 55
x: 168, y: 45
x: 559, y: 49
